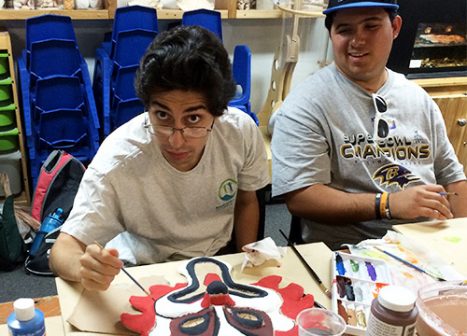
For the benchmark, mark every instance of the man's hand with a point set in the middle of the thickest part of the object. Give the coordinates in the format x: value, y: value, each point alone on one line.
x: 99, y: 267
x: 420, y: 201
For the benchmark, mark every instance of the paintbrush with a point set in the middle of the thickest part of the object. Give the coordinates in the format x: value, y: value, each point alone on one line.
x: 130, y: 276
x: 408, y: 263
x: 446, y: 193
x: 307, y: 266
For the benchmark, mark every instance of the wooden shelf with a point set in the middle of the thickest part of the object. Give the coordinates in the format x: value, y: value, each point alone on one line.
x: 75, y: 14
x: 175, y: 14
x: 258, y: 14
x: 104, y: 14
x: 444, y: 86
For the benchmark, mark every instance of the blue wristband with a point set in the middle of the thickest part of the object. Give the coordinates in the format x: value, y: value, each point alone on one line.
x: 377, y: 205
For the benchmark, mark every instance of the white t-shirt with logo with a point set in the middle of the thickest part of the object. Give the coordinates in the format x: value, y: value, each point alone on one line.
x: 159, y: 213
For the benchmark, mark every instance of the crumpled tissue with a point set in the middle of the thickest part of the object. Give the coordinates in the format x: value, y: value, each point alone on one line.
x: 261, y: 251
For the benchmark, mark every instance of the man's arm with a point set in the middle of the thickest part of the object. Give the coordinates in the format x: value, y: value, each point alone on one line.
x: 94, y: 267
x: 328, y: 205
x: 459, y: 201
x: 246, y: 218
x: 64, y: 257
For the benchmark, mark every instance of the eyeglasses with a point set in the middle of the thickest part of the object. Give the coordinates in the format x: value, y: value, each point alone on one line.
x: 381, y: 126
x: 168, y: 131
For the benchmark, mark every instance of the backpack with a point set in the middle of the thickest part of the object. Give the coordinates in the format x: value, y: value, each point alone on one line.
x: 12, y: 246
x: 56, y: 188
x: 57, y: 184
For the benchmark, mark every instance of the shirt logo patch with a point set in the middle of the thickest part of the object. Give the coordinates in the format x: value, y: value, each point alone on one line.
x: 391, y: 174
x: 227, y: 190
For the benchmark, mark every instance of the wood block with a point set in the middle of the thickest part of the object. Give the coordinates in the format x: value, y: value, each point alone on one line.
x: 68, y: 4
x: 111, y: 6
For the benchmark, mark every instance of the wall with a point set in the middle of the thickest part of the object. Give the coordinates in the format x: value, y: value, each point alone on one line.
x: 263, y: 36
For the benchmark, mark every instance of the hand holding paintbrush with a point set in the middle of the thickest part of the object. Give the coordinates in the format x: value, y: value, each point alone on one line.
x: 98, y: 267
x: 128, y: 274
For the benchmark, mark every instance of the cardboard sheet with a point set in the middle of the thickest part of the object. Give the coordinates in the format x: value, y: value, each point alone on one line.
x: 99, y: 311
x: 292, y: 270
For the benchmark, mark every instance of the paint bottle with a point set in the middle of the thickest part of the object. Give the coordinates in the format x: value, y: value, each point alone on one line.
x: 26, y: 320
x: 393, y: 313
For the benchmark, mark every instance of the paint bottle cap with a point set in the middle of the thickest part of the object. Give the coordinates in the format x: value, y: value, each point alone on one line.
x: 397, y: 298
x: 24, y: 309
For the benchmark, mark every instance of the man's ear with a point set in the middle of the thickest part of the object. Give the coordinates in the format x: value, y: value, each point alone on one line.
x: 396, y: 26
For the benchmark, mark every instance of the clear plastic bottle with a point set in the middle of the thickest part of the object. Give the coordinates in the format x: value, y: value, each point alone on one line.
x: 393, y: 313
x: 26, y: 319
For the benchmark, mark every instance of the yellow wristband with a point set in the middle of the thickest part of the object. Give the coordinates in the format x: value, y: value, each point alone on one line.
x: 382, y: 204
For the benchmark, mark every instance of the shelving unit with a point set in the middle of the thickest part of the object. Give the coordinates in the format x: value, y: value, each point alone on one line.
x: 5, y: 44
x: 90, y: 14
x: 451, y: 96
x: 108, y: 13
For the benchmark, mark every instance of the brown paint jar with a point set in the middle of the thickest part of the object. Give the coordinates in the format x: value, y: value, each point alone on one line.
x: 393, y: 313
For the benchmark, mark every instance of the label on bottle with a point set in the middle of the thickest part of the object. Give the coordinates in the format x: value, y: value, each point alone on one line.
x: 28, y: 332
x: 377, y: 327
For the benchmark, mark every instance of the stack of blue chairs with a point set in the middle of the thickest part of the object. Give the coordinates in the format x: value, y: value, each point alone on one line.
x: 59, y: 110
x: 117, y: 59
x: 241, y: 64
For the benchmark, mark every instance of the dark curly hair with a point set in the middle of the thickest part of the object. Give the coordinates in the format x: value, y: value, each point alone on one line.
x: 187, y: 58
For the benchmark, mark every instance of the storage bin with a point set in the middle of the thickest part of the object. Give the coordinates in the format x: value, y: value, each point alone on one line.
x: 7, y: 114
x: 9, y: 141
x: 5, y: 90
x: 11, y: 164
x: 4, y: 68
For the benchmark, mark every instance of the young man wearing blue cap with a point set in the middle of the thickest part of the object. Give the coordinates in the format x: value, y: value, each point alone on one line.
x: 358, y: 148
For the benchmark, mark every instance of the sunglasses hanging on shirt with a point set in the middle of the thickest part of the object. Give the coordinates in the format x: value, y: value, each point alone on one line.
x: 381, y: 126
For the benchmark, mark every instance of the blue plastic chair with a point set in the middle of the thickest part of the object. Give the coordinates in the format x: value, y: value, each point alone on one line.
x: 123, y: 86
x: 62, y: 129
x: 241, y: 68
x: 49, y: 26
x: 46, y: 27
x: 54, y: 57
x: 58, y: 92
x: 66, y: 118
x: 101, y: 88
x: 126, y: 110
x: 131, y: 18
x: 129, y: 48
x: 208, y: 19
x: 131, y: 45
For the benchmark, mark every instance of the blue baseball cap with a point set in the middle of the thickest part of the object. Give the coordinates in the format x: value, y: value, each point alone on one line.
x: 335, y: 5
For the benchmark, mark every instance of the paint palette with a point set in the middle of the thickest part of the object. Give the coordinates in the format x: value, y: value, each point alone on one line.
x: 356, y: 282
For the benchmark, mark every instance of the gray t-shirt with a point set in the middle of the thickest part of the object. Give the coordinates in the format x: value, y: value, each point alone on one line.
x: 323, y: 133
x: 158, y: 212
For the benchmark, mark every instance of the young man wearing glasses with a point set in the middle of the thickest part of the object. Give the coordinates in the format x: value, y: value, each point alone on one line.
x: 356, y: 147
x: 175, y: 181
